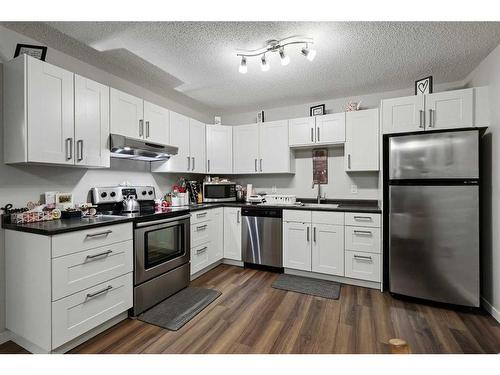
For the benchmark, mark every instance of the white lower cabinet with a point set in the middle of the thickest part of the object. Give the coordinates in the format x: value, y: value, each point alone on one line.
x: 199, y: 257
x: 232, y: 233
x: 217, y: 235
x: 364, y: 266
x: 297, y: 246
x: 328, y: 249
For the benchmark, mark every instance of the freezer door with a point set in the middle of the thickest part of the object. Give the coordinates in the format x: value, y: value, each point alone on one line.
x: 434, y: 155
x: 434, y: 243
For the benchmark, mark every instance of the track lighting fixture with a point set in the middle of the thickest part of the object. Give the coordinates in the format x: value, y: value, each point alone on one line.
x: 276, y: 46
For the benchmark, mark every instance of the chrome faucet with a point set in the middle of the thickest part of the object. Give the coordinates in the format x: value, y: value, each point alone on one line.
x: 319, y: 198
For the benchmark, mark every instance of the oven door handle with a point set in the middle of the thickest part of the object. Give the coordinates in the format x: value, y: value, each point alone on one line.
x: 170, y: 220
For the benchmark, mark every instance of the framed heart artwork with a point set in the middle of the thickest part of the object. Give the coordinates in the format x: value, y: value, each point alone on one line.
x: 423, y: 86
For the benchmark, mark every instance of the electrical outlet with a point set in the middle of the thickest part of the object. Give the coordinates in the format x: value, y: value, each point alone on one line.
x: 354, y: 189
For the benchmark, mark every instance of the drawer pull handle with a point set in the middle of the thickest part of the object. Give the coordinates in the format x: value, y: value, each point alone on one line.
x: 202, y: 214
x: 105, y: 233
x: 362, y: 218
x: 99, y: 255
x: 95, y: 294
x: 202, y: 250
x: 363, y: 232
x: 362, y: 257
x: 201, y: 227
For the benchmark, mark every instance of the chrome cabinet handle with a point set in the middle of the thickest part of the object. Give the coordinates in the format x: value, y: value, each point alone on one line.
x: 95, y: 294
x: 362, y: 257
x: 141, y: 128
x: 363, y: 232
x: 189, y: 163
x: 314, y: 234
x: 307, y: 234
x: 105, y: 233
x: 431, y: 118
x: 202, y: 250
x: 312, y: 134
x: 349, y: 161
x: 203, y: 214
x: 363, y: 218
x: 99, y: 255
x: 422, y: 119
x: 261, y: 165
x: 238, y: 216
x: 255, y: 165
x: 79, y: 149
x: 193, y: 164
x: 317, y: 134
x: 208, y: 165
x: 147, y: 129
x: 201, y: 227
x: 69, y: 148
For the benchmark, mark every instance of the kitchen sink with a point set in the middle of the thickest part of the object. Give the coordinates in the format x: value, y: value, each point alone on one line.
x: 320, y: 205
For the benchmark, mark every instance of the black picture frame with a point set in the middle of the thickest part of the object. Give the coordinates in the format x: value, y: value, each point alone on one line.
x: 418, y: 92
x: 39, y: 52
x: 315, y: 108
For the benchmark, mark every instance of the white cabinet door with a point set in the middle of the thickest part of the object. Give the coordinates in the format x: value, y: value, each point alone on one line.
x: 50, y: 110
x: 197, y: 144
x: 449, y: 109
x: 330, y: 129
x: 246, y: 148
x: 219, y: 149
x: 232, y: 233
x: 179, y: 137
x: 362, y: 141
x: 216, y: 235
x: 302, y: 131
x: 127, y: 114
x: 156, y: 123
x: 200, y: 257
x: 274, y: 149
x: 404, y: 114
x: 328, y: 249
x: 297, y: 246
x: 91, y: 123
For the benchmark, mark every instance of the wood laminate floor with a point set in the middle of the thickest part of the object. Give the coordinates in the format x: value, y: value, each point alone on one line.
x: 252, y: 317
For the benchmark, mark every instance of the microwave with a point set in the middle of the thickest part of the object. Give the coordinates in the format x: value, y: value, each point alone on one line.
x: 219, y: 191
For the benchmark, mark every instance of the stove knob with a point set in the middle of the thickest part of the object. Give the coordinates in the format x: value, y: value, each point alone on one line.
x: 112, y: 194
x: 104, y: 195
x: 144, y: 192
x: 150, y: 192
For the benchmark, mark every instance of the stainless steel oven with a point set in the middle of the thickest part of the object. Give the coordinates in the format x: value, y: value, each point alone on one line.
x: 219, y: 191
x: 162, y: 255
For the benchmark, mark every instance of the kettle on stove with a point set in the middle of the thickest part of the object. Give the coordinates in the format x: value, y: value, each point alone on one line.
x: 130, y: 204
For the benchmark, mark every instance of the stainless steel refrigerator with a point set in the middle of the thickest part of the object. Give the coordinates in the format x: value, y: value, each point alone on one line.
x: 433, y: 192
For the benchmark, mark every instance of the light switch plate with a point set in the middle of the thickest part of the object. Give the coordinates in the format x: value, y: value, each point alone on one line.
x: 354, y: 189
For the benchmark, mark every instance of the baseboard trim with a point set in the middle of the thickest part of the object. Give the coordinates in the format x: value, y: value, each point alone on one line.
x: 5, y: 336
x: 491, y: 309
x: 205, y: 270
x: 232, y: 262
x: 339, y: 279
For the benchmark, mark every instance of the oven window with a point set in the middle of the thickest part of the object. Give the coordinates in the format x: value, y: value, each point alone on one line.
x: 215, y: 191
x: 164, y: 244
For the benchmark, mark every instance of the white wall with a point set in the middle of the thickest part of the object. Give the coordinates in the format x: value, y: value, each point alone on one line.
x: 487, y: 73
x: 20, y: 184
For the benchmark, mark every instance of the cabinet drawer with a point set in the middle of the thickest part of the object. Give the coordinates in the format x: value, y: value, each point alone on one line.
x: 73, y: 242
x: 199, y: 257
x: 74, y: 315
x: 362, y: 239
x: 362, y: 219
x: 301, y: 216
x: 200, y: 233
x: 363, y: 266
x: 332, y: 218
x: 75, y: 272
x: 200, y: 216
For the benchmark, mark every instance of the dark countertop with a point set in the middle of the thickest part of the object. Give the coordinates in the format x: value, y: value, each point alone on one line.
x: 53, y: 227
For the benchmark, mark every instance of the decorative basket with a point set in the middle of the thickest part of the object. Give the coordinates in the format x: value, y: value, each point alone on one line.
x: 284, y: 199
x: 31, y: 217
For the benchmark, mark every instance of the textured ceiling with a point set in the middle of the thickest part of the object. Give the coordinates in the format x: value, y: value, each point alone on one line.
x: 197, y: 59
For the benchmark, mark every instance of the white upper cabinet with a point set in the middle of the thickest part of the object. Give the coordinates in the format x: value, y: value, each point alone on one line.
x: 450, y: 109
x: 442, y: 110
x: 246, y: 148
x: 197, y: 146
x: 127, y: 114
x: 91, y: 123
x: 302, y: 131
x: 275, y: 155
x: 361, y: 151
x: 219, y: 149
x: 156, y: 123
x: 330, y: 129
x: 404, y: 114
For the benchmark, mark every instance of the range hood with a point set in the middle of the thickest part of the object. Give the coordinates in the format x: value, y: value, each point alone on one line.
x: 128, y: 148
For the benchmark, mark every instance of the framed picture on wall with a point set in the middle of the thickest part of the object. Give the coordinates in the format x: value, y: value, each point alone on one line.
x: 38, y: 52
x: 317, y: 110
x: 423, y: 86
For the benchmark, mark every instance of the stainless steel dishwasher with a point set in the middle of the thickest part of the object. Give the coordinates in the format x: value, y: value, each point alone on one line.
x: 261, y: 236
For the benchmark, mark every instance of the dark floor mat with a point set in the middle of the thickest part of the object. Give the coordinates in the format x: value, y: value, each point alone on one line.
x: 306, y: 285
